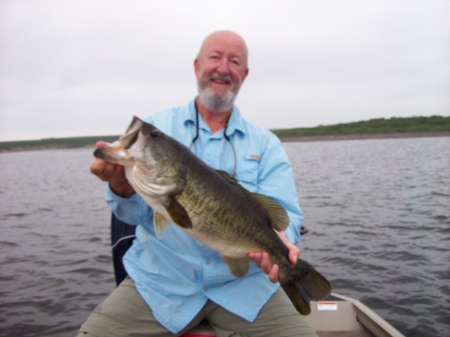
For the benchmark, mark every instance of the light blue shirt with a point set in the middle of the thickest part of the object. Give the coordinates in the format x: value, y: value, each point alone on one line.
x: 177, y: 275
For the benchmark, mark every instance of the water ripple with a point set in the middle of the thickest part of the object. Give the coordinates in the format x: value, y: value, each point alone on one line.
x: 377, y: 213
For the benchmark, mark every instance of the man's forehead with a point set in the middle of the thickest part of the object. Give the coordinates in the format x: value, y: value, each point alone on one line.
x: 223, y: 49
x: 225, y: 42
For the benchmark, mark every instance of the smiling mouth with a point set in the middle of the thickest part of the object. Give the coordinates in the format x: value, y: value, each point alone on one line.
x: 218, y: 79
x: 220, y: 82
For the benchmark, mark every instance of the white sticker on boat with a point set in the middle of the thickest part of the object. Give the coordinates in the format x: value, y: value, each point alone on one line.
x: 327, y: 306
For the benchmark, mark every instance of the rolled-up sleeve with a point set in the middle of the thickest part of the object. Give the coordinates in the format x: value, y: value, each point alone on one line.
x: 133, y: 210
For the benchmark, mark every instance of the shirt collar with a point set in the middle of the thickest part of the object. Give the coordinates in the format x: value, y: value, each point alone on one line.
x: 236, y: 122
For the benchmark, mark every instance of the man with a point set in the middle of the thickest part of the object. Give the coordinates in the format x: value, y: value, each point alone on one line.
x: 176, y: 282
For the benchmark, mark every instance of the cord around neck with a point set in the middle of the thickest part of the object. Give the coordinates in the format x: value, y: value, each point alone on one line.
x: 197, y: 130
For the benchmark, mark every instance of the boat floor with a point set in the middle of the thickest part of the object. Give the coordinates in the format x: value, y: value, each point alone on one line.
x: 204, y: 330
x: 338, y: 316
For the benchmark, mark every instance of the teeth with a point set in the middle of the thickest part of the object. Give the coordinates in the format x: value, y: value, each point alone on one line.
x: 216, y: 78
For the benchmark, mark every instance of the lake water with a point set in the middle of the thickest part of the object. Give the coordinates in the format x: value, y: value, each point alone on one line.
x: 377, y: 211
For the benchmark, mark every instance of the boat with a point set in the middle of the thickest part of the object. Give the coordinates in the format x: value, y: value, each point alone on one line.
x: 337, y: 316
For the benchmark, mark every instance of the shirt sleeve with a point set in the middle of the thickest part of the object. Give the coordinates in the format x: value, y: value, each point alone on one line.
x: 133, y: 210
x: 276, y: 180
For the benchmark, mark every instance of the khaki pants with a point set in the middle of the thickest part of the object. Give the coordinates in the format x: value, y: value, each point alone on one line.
x: 124, y: 313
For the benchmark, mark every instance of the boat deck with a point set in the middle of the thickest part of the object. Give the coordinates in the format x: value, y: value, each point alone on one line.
x: 337, y: 316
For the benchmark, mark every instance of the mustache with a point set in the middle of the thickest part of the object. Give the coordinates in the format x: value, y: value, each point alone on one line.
x: 225, y: 78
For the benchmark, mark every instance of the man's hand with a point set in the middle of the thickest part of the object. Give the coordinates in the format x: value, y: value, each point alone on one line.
x: 262, y: 260
x: 112, y: 173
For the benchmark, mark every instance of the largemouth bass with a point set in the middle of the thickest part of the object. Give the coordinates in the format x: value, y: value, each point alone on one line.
x: 212, y: 207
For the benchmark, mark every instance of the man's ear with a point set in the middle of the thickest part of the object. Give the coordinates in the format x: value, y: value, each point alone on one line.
x: 196, y: 65
x: 245, y: 74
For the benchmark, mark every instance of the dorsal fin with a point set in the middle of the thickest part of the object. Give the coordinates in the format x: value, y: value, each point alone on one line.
x: 279, y: 219
x: 229, y: 178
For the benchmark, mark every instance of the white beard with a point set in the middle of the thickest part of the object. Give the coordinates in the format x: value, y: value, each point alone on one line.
x: 216, y: 104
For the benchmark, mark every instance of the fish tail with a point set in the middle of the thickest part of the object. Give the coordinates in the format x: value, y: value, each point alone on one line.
x: 303, y: 285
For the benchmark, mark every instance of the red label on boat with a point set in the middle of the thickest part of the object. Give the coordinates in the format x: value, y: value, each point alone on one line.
x: 327, y: 306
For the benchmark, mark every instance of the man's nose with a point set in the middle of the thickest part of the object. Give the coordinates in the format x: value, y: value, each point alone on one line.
x: 223, y: 67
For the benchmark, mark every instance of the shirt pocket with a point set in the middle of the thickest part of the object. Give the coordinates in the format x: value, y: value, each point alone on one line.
x: 247, y: 173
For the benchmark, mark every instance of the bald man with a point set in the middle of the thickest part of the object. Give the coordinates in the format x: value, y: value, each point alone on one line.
x: 177, y: 282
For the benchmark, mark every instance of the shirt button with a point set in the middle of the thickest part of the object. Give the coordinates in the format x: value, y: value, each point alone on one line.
x: 208, y: 261
x: 205, y: 288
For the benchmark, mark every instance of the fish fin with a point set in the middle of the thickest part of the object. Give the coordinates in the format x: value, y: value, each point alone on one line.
x: 278, y: 215
x: 178, y: 214
x: 297, y: 298
x: 305, y: 284
x: 161, y: 225
x: 229, y: 178
x: 238, y: 266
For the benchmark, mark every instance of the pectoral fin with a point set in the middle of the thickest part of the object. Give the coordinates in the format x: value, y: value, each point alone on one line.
x: 178, y: 214
x: 278, y: 216
x: 238, y: 266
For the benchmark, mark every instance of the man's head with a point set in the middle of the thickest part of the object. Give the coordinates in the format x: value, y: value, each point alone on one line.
x: 221, y: 67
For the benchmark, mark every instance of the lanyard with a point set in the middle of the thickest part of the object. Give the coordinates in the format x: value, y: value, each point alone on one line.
x: 197, y: 130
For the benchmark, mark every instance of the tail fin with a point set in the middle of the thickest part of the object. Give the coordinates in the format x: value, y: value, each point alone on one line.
x: 305, y: 284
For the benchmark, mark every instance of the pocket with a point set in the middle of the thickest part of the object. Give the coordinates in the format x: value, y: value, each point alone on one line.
x: 247, y: 174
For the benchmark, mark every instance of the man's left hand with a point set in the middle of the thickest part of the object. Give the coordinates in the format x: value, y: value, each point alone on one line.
x: 262, y: 260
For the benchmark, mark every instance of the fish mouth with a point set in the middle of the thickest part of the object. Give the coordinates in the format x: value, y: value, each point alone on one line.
x: 117, y: 152
x: 114, y: 153
x: 132, y: 133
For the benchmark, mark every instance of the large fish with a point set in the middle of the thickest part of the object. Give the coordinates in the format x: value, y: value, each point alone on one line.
x: 210, y: 206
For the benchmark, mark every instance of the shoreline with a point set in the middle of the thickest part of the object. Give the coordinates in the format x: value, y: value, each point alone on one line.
x: 283, y: 139
x: 320, y: 138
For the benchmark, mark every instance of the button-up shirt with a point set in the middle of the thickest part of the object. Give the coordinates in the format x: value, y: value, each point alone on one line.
x: 176, y: 275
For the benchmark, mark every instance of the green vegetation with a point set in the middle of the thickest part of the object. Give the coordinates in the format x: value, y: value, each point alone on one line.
x: 374, y: 126
x: 395, y: 125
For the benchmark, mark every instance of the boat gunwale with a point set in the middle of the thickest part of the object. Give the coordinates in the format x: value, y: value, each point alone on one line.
x: 370, y: 319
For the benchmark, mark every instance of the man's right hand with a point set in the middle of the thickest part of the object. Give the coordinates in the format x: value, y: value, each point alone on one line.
x: 114, y: 174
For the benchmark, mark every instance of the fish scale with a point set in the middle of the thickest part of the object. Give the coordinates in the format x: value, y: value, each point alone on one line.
x: 218, y: 209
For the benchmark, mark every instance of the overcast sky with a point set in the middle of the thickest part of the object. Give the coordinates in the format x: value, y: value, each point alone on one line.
x: 85, y: 67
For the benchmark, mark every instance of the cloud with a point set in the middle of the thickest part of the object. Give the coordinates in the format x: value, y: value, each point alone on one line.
x: 78, y: 67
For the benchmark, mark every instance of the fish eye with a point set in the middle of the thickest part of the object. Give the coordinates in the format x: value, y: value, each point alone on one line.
x: 155, y: 133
